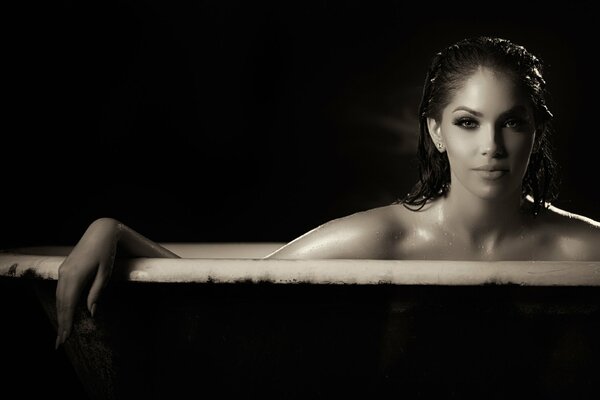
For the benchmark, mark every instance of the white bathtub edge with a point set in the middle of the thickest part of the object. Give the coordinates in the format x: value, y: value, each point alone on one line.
x: 363, y: 272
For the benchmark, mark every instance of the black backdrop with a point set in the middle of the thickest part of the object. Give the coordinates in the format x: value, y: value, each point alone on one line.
x: 245, y: 121
x: 230, y: 121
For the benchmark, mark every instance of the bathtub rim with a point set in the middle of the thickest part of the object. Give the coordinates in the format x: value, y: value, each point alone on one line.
x: 253, y: 269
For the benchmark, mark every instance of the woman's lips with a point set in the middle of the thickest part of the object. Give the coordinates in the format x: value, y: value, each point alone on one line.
x: 491, y: 173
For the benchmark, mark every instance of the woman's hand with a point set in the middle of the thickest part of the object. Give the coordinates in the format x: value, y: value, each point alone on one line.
x: 91, y: 259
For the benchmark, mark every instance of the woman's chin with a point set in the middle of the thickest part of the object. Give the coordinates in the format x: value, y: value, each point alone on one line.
x: 494, y: 193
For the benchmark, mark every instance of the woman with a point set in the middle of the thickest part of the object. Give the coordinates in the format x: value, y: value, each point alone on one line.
x: 483, y: 194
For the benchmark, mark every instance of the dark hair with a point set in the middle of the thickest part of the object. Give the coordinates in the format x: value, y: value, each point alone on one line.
x: 448, y: 71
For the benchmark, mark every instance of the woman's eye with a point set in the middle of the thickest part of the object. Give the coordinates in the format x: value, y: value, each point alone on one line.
x: 513, y: 123
x: 516, y: 124
x: 466, y: 123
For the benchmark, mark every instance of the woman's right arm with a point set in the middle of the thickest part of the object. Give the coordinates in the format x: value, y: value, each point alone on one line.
x: 92, y: 260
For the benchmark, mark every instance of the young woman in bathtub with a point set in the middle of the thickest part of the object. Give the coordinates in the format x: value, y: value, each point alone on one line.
x: 486, y: 179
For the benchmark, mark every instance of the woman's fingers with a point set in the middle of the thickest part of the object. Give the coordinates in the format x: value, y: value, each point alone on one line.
x: 66, y: 298
x: 68, y: 292
x: 100, y: 281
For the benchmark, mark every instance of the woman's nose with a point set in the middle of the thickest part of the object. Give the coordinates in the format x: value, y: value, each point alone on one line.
x: 492, y: 142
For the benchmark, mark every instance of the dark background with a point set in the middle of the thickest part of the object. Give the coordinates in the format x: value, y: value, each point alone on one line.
x: 230, y: 121
x: 242, y: 121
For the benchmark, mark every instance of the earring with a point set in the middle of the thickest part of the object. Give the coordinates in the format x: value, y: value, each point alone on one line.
x: 440, y: 146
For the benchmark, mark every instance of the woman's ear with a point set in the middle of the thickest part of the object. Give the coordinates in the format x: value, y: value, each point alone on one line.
x: 435, y: 133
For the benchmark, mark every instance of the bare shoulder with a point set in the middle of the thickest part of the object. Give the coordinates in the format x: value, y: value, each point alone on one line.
x: 576, y: 236
x: 363, y: 234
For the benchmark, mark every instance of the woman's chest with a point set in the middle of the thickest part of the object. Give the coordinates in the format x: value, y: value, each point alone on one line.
x: 430, y: 244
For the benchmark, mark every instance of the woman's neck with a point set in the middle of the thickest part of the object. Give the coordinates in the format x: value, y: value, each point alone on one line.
x: 483, y: 223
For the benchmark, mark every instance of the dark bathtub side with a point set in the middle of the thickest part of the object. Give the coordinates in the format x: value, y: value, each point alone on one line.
x: 317, y: 329
x: 31, y: 368
x: 319, y: 341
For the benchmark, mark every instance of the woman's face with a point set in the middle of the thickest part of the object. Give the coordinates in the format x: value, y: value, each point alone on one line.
x: 488, y: 132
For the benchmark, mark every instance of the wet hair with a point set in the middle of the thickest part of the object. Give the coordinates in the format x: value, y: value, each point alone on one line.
x: 448, y: 71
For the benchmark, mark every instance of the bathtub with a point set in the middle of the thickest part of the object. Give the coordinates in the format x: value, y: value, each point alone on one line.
x: 222, y: 322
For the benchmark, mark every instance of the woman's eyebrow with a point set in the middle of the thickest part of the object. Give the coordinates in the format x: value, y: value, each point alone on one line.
x: 518, y: 109
x: 469, y: 110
